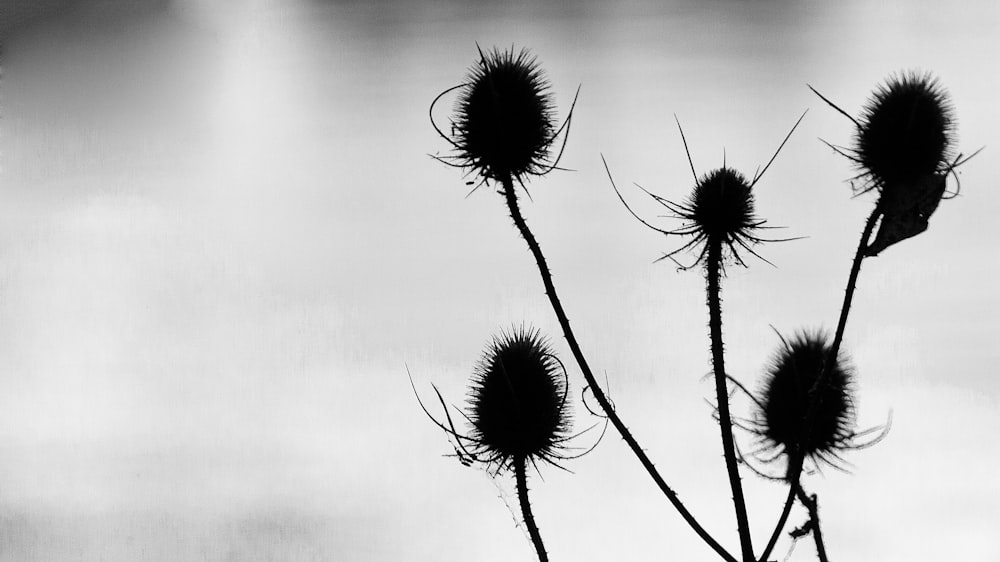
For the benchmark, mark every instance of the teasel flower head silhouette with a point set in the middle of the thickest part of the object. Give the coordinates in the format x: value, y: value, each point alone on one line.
x: 517, y: 400
x: 782, y: 418
x: 518, y: 412
x: 906, y: 131
x: 720, y: 209
x: 516, y: 406
x: 904, y: 149
x: 503, y: 126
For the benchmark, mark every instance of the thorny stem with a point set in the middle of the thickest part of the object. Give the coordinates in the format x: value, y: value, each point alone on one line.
x: 811, y: 504
x: 713, y: 271
x: 782, y: 519
x: 852, y: 280
x: 529, y: 519
x: 550, y: 291
x: 793, y: 483
x: 816, y: 395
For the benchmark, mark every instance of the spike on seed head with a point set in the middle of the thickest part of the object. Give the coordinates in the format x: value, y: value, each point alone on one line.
x: 503, y: 122
x: 517, y: 402
x: 906, y: 131
x: 786, y: 399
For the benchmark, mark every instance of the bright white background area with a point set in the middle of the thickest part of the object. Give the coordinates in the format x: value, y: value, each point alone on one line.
x: 222, y: 241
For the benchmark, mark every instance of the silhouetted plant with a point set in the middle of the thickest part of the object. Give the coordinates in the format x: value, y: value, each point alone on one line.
x: 518, y: 414
x: 787, y: 383
x: 903, y: 149
x: 503, y: 132
x: 720, y: 211
x: 518, y: 401
x: 503, y: 129
x: 784, y: 402
x: 508, y: 90
x: 504, y: 120
x: 720, y: 218
x: 905, y: 131
x: 785, y: 432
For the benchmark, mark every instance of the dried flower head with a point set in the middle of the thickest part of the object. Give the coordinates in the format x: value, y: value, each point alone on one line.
x: 503, y: 127
x: 906, y: 131
x: 516, y: 406
x: 904, y: 150
x: 720, y: 209
x: 517, y: 402
x: 782, y: 420
x: 788, y: 385
x: 722, y: 205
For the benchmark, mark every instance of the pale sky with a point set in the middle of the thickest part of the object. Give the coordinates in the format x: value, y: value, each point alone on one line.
x: 222, y: 241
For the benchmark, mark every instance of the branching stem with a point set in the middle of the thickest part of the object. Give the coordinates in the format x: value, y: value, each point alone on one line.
x: 816, y: 394
x: 515, y: 213
x: 812, y: 505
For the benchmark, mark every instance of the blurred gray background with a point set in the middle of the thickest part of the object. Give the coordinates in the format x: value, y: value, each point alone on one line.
x: 222, y: 241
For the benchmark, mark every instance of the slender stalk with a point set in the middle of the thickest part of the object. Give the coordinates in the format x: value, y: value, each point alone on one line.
x: 529, y: 519
x: 812, y: 505
x: 713, y: 272
x: 782, y: 519
x: 515, y: 213
x: 852, y: 280
x: 793, y: 481
x: 814, y: 393
x: 821, y: 380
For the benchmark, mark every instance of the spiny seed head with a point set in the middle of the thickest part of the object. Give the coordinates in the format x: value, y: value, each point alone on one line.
x: 906, y: 131
x: 722, y: 205
x: 517, y: 403
x: 503, y: 121
x: 720, y: 210
x: 786, y: 398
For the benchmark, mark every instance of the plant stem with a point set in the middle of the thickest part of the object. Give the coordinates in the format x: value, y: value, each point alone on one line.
x: 550, y: 291
x: 782, y: 519
x: 852, y: 280
x: 713, y: 272
x: 794, y: 470
x: 811, y: 504
x: 529, y: 519
x: 814, y: 393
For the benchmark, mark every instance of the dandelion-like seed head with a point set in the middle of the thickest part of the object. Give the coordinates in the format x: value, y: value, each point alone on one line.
x: 787, y: 387
x: 905, y: 132
x: 517, y: 402
x: 503, y: 123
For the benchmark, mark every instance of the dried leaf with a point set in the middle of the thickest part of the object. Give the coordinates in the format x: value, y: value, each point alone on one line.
x: 906, y: 211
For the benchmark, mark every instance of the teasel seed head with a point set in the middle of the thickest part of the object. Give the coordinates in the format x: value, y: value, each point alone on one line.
x: 722, y: 206
x: 517, y: 401
x: 906, y: 131
x: 502, y: 128
x: 720, y: 210
x: 787, y: 388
